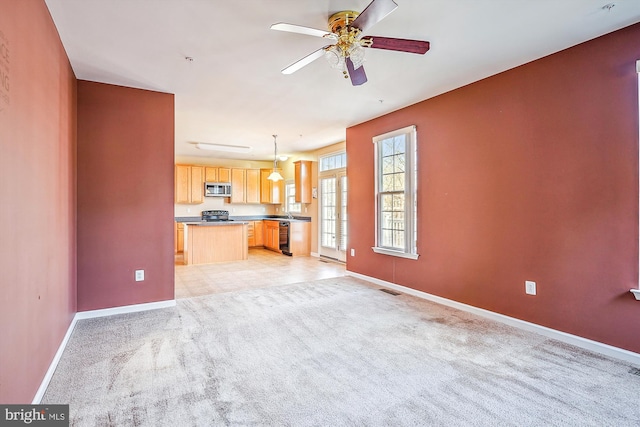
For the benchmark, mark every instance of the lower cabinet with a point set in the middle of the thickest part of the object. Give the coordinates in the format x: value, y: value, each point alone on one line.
x: 251, y: 236
x: 267, y: 233
x: 179, y: 237
x: 255, y: 234
x: 300, y: 238
x: 272, y: 235
x: 258, y: 226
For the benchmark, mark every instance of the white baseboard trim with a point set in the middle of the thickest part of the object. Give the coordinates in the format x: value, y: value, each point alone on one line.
x: 315, y: 254
x: 587, y: 344
x: 91, y: 315
x: 54, y: 364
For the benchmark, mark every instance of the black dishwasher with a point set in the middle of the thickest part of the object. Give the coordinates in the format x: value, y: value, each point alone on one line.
x: 284, y: 238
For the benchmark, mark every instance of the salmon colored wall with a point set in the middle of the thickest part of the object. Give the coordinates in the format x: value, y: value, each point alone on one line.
x: 37, y: 174
x: 125, y: 201
x: 531, y: 174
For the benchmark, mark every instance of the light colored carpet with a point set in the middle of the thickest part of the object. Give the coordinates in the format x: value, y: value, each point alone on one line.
x: 332, y: 352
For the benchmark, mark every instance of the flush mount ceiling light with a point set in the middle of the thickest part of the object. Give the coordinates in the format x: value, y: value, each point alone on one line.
x: 223, y: 147
x: 275, y: 175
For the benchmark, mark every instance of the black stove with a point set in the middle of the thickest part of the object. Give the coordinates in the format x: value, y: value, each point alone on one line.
x: 211, y: 216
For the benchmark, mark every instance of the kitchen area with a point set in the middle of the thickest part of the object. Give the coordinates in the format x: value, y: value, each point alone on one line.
x: 222, y: 211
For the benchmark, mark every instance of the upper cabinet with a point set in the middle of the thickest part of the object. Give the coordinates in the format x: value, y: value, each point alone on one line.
x: 245, y: 185
x: 224, y: 175
x: 270, y: 191
x: 237, y: 185
x: 189, y: 184
x: 303, y: 181
x: 210, y: 174
x: 252, y: 186
x: 216, y: 174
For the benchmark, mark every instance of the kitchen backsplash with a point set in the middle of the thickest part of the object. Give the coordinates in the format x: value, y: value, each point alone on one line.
x: 212, y: 203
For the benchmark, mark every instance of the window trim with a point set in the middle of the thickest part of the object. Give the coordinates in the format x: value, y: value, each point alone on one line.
x: 331, y: 154
x: 287, y: 204
x: 410, y: 192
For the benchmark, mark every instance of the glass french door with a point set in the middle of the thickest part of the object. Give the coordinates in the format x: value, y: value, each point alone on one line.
x: 333, y: 216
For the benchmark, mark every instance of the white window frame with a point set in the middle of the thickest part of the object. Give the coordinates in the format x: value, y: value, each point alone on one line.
x: 342, y: 154
x: 287, y: 198
x: 410, y: 192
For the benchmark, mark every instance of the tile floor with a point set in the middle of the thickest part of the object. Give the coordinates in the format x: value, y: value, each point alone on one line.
x: 263, y: 268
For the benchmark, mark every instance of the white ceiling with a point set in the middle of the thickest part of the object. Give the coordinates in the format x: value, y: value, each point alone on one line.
x: 233, y: 92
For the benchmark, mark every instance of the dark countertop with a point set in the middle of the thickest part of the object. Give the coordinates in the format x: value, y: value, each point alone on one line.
x: 210, y: 223
x: 197, y: 220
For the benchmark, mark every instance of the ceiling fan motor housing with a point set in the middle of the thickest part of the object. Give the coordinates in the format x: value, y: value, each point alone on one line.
x: 340, y: 20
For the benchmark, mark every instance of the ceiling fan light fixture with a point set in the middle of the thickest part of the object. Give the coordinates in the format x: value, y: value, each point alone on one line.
x: 356, y: 53
x: 334, y: 57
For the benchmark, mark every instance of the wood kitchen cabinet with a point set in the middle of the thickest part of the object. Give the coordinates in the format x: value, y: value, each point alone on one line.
x: 217, y: 174
x: 238, y: 177
x: 252, y: 186
x: 255, y: 233
x: 272, y: 235
x: 258, y: 227
x: 245, y: 186
x: 300, y: 238
x: 270, y: 191
x: 251, y: 236
x: 303, y: 181
x: 224, y: 175
x: 204, y: 244
x: 189, y: 184
x: 179, y: 237
x: 210, y: 174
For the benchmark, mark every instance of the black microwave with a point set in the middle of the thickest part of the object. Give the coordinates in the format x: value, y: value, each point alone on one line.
x: 217, y: 189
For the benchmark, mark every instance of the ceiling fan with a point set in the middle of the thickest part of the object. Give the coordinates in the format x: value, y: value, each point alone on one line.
x: 347, y: 31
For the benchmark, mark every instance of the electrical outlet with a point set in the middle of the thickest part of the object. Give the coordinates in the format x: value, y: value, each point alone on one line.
x: 530, y: 287
x: 353, y: 252
x: 139, y: 275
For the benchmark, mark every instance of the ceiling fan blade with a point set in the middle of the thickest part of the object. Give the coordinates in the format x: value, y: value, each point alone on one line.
x: 401, y: 45
x: 291, y: 28
x: 374, y: 13
x: 358, y: 75
x: 305, y: 61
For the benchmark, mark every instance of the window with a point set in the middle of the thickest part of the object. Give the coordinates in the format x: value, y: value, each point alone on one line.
x: 396, y: 204
x: 290, y: 198
x: 333, y: 161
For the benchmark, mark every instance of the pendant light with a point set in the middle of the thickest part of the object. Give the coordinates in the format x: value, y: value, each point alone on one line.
x: 275, y: 175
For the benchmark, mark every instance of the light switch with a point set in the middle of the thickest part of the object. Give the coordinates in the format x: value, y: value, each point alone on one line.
x: 139, y: 275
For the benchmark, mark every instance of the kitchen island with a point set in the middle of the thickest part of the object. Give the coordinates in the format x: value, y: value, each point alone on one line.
x: 209, y: 242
